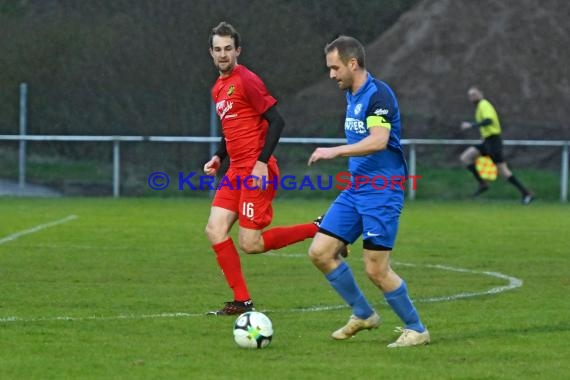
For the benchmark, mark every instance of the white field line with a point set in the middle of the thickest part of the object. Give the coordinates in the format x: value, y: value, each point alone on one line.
x: 513, y: 283
x: 37, y: 228
x: 100, y: 317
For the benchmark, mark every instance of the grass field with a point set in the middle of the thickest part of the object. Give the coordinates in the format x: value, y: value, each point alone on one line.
x: 116, y: 289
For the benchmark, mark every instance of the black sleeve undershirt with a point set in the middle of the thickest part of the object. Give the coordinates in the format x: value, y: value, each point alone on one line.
x: 482, y: 123
x: 276, y: 125
x: 222, y: 151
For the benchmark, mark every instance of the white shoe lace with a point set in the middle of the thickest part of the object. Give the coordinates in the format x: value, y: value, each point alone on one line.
x: 404, y: 333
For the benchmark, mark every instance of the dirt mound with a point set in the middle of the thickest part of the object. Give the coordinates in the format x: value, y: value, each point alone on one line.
x: 515, y: 50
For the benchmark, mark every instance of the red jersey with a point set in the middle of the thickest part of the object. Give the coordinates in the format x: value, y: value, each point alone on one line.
x: 241, y: 99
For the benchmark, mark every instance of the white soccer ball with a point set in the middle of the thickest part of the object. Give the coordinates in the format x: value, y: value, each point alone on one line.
x: 253, y: 330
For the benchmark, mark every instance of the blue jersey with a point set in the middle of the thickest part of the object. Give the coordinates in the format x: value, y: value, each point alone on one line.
x: 375, y: 104
x: 369, y: 209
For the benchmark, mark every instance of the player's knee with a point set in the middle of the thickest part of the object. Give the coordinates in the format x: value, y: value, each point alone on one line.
x: 505, y: 172
x: 377, y: 272
x: 214, y: 233
x: 468, y: 156
x: 318, y: 254
x: 250, y: 246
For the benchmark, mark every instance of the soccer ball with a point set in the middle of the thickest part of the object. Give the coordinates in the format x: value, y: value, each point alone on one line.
x: 253, y: 330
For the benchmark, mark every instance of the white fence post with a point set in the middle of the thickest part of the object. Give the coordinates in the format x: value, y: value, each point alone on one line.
x: 23, y: 127
x: 213, y: 127
x: 564, y: 175
x: 412, y: 159
x: 116, y: 168
x: 213, y: 133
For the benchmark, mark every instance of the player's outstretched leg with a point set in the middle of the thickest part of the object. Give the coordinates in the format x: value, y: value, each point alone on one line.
x: 279, y: 237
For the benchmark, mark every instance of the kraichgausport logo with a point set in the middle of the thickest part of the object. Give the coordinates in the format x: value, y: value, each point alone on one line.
x: 340, y: 181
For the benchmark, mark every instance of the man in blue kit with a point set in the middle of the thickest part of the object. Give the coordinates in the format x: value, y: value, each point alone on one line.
x: 372, y: 128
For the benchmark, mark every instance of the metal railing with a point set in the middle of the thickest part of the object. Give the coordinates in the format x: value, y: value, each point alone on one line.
x: 213, y: 141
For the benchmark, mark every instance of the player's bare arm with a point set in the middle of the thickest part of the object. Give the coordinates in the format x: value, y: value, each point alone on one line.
x: 377, y: 140
x: 324, y: 154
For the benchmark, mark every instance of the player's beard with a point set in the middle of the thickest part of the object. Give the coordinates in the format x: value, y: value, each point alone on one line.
x: 343, y: 85
x: 344, y: 82
x: 225, y: 67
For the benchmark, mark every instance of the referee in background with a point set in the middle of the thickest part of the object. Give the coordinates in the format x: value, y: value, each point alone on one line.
x: 487, y: 120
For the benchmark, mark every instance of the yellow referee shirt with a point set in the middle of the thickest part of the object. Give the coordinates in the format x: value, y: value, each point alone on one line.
x: 485, y: 110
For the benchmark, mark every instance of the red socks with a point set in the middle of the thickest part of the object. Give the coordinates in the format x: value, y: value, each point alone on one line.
x: 228, y: 259
x: 280, y: 237
x: 275, y: 238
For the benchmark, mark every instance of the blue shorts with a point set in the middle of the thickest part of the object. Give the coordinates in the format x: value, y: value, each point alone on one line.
x: 371, y: 215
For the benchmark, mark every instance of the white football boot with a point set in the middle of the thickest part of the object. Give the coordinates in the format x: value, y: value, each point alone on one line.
x: 410, y: 338
x: 356, y: 324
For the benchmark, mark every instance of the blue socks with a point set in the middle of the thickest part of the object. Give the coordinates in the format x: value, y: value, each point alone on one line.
x: 402, y: 305
x: 343, y: 282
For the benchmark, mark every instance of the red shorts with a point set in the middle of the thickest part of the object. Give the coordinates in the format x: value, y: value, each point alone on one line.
x: 252, y: 206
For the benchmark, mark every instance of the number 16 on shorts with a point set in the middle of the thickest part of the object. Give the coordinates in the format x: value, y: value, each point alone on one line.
x: 247, y: 209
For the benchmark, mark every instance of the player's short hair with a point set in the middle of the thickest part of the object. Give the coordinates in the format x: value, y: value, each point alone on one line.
x: 348, y: 48
x: 225, y: 29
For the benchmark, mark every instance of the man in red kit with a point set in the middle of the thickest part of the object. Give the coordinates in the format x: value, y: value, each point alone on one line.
x: 251, y: 127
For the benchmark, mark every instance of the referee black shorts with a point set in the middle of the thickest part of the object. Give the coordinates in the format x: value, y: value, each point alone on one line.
x: 492, y: 146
